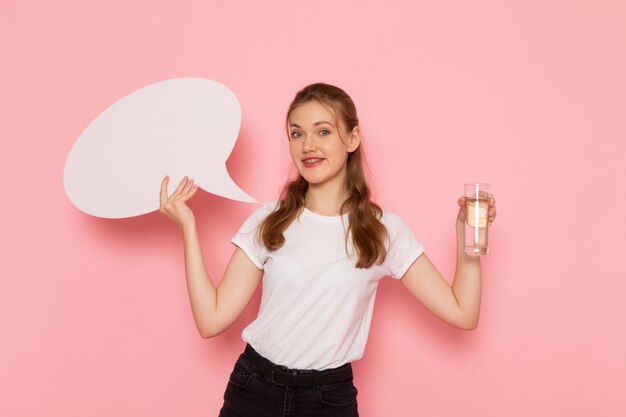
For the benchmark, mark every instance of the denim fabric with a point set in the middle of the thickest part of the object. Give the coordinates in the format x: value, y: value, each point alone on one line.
x: 251, y: 393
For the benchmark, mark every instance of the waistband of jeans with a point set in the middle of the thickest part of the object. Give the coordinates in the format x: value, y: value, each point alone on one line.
x: 281, y: 375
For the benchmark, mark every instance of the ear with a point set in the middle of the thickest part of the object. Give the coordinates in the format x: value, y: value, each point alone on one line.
x: 355, y: 139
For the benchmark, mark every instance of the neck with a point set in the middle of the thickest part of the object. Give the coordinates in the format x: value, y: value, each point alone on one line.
x: 326, y: 199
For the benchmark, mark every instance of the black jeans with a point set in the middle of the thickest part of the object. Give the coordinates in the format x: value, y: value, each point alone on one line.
x: 259, y: 388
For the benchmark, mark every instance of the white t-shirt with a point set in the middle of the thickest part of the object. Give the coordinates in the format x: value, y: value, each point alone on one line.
x: 316, y: 306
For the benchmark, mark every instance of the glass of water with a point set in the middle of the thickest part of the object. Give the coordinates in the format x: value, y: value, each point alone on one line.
x: 477, y: 222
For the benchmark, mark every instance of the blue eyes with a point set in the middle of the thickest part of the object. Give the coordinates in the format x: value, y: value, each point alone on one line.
x: 297, y: 135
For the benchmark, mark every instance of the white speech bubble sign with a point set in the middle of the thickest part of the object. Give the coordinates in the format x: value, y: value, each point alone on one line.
x: 177, y: 127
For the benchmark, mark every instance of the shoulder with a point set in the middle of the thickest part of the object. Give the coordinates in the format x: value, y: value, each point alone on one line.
x: 404, y: 248
x: 258, y: 215
x: 266, y: 208
x: 392, y: 221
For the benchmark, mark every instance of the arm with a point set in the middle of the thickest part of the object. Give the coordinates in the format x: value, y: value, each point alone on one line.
x: 457, y: 304
x: 214, y: 308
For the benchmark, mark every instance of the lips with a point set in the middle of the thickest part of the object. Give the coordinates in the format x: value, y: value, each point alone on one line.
x: 312, y: 162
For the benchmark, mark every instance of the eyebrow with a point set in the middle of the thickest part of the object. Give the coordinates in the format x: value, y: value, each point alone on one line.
x: 321, y: 122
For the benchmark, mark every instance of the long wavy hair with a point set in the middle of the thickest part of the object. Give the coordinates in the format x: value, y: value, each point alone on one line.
x: 364, y: 229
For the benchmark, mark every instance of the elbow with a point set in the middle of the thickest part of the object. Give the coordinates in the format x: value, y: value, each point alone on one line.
x: 465, y: 322
x: 468, y: 324
x: 209, y: 331
x: 469, y: 327
x: 206, y: 334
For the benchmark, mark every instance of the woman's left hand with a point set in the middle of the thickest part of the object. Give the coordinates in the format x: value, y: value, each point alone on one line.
x: 462, y: 202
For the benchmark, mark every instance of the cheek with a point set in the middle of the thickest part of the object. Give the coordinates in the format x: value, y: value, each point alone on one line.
x: 335, y: 150
x: 293, y: 150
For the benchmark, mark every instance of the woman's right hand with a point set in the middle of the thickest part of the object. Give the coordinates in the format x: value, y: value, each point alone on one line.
x: 174, y: 206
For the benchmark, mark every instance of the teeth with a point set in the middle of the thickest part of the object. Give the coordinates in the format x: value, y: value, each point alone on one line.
x: 312, y: 161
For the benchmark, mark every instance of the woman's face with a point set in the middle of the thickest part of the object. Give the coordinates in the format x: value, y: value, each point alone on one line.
x: 317, y: 149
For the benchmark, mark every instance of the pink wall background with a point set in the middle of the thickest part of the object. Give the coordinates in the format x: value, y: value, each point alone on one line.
x: 527, y: 95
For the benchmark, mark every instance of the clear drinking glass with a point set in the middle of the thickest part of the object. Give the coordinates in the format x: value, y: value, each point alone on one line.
x: 477, y: 222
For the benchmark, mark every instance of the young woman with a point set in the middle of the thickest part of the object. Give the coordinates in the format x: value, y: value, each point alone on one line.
x: 321, y: 251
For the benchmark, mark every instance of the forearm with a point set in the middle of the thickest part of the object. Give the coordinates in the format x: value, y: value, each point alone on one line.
x: 467, y: 285
x: 202, y: 292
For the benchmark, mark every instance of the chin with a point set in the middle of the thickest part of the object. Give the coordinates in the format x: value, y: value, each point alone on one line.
x: 312, y: 181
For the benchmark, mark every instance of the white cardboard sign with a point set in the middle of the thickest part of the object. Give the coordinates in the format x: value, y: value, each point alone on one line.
x: 177, y: 127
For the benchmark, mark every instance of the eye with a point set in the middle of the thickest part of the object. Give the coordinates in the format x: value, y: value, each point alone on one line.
x: 295, y: 134
x: 324, y: 132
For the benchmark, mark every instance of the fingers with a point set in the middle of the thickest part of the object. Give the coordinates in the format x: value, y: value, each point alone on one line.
x: 185, y: 187
x: 491, y: 212
x: 188, y: 186
x: 163, y: 194
x: 181, y: 186
x: 192, y: 191
x: 492, y: 208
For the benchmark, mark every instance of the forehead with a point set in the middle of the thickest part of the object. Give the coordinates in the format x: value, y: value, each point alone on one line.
x: 312, y: 112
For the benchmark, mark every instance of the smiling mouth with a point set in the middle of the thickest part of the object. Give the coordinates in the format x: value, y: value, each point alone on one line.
x: 311, y: 162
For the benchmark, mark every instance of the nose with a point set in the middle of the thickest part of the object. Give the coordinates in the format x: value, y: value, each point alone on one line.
x: 308, y: 144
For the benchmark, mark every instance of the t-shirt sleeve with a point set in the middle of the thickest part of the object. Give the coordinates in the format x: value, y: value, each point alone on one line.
x: 247, y: 238
x: 404, y: 248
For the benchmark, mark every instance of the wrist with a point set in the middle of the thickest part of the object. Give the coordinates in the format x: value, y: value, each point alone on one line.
x: 189, y: 227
